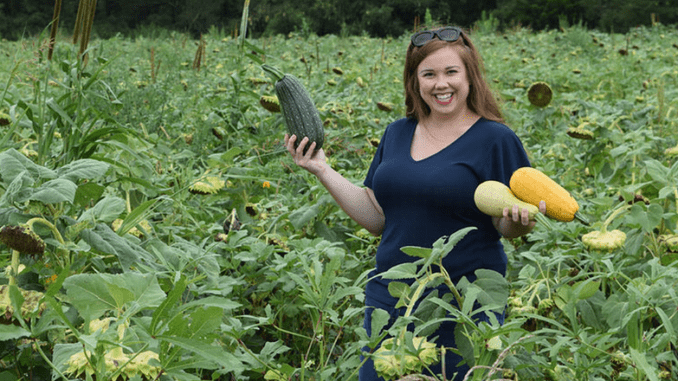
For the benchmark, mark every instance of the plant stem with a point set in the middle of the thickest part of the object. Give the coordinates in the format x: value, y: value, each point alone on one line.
x: 44, y: 357
x: 612, y: 216
x: 50, y: 225
x: 57, y: 235
x: 15, y: 268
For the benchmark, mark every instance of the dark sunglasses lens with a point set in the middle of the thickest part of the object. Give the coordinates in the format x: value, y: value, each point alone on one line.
x: 449, y: 34
x: 422, y: 38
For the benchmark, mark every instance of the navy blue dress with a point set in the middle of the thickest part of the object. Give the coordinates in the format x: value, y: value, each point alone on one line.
x: 430, y: 198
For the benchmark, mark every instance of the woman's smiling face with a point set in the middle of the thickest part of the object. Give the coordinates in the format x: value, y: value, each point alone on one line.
x: 443, y: 82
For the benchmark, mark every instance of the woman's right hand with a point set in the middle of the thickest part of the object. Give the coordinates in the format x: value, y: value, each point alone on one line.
x: 313, y: 161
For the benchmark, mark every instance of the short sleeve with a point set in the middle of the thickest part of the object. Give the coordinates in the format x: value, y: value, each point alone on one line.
x: 376, y: 160
x: 508, y: 155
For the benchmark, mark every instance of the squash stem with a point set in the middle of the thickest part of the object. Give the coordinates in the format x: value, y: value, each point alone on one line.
x: 273, y: 72
x: 582, y: 219
x: 542, y: 219
x: 612, y: 216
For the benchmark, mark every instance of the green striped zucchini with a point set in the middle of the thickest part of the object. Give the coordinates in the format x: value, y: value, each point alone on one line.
x: 299, y: 112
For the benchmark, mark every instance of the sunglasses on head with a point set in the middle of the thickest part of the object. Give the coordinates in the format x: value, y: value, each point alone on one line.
x: 449, y: 34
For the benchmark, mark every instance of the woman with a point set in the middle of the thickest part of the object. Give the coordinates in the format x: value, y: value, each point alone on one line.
x: 421, y: 181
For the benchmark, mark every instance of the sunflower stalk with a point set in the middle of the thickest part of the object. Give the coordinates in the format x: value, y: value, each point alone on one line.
x: 15, y: 268
x: 50, y: 225
x: 64, y: 251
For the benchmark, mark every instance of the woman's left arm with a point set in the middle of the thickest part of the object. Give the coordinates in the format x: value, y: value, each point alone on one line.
x: 516, y: 224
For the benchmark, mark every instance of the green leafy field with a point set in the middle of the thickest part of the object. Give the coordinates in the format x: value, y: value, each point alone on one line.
x: 263, y: 278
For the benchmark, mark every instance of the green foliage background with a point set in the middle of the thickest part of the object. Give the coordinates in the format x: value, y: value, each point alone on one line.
x: 263, y: 279
x: 341, y: 17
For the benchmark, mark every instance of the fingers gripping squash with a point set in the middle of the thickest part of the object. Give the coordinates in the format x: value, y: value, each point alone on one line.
x: 532, y: 186
x: 491, y: 197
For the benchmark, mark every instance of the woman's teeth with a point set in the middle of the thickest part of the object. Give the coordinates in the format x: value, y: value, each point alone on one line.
x: 443, y: 97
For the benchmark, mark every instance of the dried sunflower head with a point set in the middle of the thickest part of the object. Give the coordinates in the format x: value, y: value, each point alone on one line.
x: 22, y: 239
x: 270, y: 103
x: 539, y: 94
x: 673, y: 151
x: 385, y: 106
x: 4, y: 119
x: 208, y: 185
x: 580, y: 133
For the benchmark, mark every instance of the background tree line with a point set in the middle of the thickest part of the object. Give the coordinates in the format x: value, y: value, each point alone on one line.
x: 376, y: 18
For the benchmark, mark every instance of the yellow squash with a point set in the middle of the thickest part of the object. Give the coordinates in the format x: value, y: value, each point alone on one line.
x: 491, y: 197
x: 531, y: 185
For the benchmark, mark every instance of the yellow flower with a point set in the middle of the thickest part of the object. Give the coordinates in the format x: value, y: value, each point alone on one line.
x: 51, y: 279
x: 266, y: 184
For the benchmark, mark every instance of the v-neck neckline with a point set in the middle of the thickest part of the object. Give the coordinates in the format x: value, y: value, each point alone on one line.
x: 414, y: 129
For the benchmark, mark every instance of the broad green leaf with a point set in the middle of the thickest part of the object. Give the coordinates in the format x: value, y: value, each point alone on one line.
x: 666, y: 322
x: 105, y: 240
x: 14, y: 190
x: 591, y: 311
x: 225, y: 158
x: 16, y: 299
x: 648, y: 219
x: 657, y: 171
x: 401, y: 271
x: 449, y: 243
x: 272, y: 349
x: 205, y: 321
x: 168, y: 305
x: 302, y: 216
x: 379, y: 320
x: 399, y: 290
x: 666, y: 191
x: 55, y: 191
x: 471, y: 295
x: 564, y: 296
x: 12, y: 332
x: 95, y: 294
x: 641, y: 363
x: 586, y: 288
x: 415, y: 251
x: 13, y: 163
x: 87, y: 193
x: 82, y: 169
x: 61, y: 354
x: 106, y: 210
x: 494, y: 286
x: 213, y: 301
x: 464, y: 344
x: 207, y: 351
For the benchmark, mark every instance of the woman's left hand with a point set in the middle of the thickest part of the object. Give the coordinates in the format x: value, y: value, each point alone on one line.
x: 517, y: 223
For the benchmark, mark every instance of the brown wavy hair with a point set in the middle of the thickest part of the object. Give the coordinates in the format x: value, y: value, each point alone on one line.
x: 481, y: 99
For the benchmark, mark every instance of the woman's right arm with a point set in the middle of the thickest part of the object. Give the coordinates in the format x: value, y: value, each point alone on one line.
x: 358, y: 202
